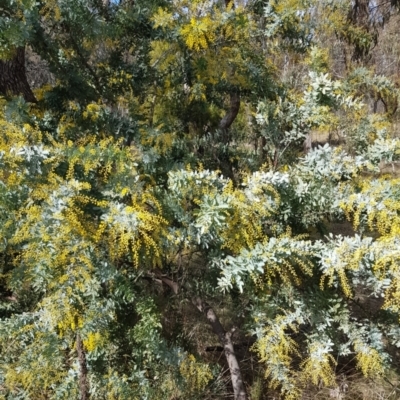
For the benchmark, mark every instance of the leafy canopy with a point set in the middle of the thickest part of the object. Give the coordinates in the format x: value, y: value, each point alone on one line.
x: 123, y: 196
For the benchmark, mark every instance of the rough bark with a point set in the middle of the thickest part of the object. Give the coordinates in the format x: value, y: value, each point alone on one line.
x: 83, y: 382
x: 359, y: 15
x: 307, y: 144
x: 234, y: 100
x: 13, y: 77
x: 225, y: 165
x: 226, y: 341
x: 231, y: 114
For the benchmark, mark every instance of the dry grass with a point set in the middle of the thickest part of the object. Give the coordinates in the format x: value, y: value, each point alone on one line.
x: 357, y: 387
x: 350, y: 387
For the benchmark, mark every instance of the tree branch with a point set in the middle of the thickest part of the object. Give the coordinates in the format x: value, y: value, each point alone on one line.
x: 13, y: 77
x: 226, y: 341
x: 83, y: 383
x: 231, y: 114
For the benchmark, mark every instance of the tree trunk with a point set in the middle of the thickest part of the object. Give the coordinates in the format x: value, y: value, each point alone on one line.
x: 13, y: 77
x: 234, y: 103
x: 226, y: 340
x: 224, y: 163
x: 359, y: 16
x: 83, y: 383
x: 231, y: 114
x: 307, y: 144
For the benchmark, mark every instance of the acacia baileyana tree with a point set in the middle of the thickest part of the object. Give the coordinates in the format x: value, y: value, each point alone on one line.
x: 162, y: 233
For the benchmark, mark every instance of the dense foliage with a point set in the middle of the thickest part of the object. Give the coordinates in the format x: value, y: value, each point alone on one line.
x: 162, y: 202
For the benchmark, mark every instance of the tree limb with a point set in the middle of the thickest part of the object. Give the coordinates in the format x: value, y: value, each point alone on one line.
x: 13, y: 77
x: 226, y: 340
x: 83, y: 383
x: 231, y: 114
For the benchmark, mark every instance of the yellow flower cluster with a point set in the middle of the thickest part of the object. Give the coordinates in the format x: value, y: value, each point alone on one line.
x: 161, y: 141
x: 383, y: 212
x: 51, y: 10
x: 276, y: 349
x: 92, y: 341
x: 245, y: 223
x: 72, y: 321
x: 368, y: 359
x: 37, y: 377
x: 120, y: 79
x: 319, y: 367
x: 199, y: 32
x: 141, y: 238
x: 284, y: 268
x: 346, y: 259
x: 92, y: 111
x: 196, y: 374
